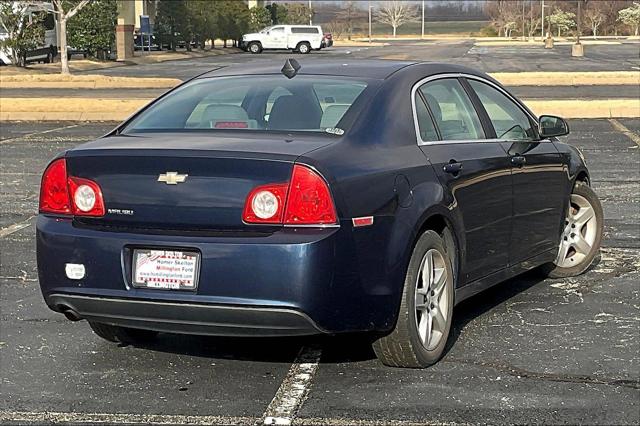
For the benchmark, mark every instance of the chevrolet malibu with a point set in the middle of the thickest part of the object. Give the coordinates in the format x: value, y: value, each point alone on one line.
x: 321, y: 198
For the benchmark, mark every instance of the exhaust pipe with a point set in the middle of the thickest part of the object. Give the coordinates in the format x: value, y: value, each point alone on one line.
x: 71, y: 314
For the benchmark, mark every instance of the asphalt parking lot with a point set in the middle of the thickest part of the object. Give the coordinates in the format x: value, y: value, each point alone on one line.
x: 529, y: 350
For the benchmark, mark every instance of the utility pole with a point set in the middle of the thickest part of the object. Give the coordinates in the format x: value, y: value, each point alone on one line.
x: 310, y: 14
x: 369, y: 21
x: 542, y: 22
x: 523, y: 21
x: 422, y: 36
x: 577, y: 49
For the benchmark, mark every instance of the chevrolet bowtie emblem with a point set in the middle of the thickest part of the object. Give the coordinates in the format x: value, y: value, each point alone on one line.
x: 172, y: 178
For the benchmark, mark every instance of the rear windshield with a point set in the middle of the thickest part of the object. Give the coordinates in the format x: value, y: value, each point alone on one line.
x: 273, y: 102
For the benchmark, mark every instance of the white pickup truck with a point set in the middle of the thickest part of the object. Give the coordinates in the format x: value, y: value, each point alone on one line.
x: 299, y: 38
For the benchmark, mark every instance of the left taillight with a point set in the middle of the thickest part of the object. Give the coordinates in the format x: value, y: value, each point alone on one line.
x: 65, y: 195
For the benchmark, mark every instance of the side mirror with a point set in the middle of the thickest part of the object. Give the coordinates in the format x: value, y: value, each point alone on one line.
x: 552, y: 126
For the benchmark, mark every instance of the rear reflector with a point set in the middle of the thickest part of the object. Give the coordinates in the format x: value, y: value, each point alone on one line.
x: 306, y: 200
x: 362, y: 221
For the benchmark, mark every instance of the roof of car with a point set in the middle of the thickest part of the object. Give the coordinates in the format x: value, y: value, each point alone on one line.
x: 364, y: 68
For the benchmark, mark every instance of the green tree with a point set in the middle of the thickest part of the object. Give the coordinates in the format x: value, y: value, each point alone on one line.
x: 563, y: 21
x: 260, y: 17
x: 22, y: 34
x: 631, y: 17
x: 92, y: 28
x: 233, y: 20
x: 279, y: 13
x: 203, y: 19
x: 166, y: 26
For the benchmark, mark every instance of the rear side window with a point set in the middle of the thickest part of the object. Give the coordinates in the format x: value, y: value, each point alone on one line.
x: 304, y: 103
x: 304, y: 30
x: 452, y: 110
x: 508, y: 119
x: 425, y: 123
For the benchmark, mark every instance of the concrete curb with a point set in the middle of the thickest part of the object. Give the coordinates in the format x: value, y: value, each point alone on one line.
x: 104, y: 109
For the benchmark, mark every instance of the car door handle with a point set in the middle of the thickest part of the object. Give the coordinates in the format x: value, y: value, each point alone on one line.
x: 518, y: 160
x: 452, y: 168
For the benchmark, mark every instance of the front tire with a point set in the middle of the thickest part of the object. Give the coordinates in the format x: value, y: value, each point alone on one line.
x: 303, y: 47
x: 581, y: 236
x: 426, y: 310
x: 254, y: 47
x: 125, y: 335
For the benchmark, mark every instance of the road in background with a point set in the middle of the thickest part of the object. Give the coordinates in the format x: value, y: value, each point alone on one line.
x: 529, y: 350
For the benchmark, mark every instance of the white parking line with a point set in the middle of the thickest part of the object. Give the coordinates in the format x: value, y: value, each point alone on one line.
x: 2, y: 142
x: 15, y: 227
x: 623, y: 129
x: 294, y: 388
x: 85, y: 418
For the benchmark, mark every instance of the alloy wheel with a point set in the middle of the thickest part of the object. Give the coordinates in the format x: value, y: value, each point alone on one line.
x: 432, y: 299
x: 579, y: 234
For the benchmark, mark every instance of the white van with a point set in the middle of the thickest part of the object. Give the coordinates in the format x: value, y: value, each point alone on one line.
x: 299, y: 38
x: 47, y: 49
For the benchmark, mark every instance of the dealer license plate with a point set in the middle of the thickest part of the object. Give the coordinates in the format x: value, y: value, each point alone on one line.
x: 165, y: 269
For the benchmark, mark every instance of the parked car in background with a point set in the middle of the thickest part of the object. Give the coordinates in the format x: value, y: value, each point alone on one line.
x: 299, y: 38
x: 365, y: 196
x: 47, y: 49
x: 327, y: 40
x: 146, y: 42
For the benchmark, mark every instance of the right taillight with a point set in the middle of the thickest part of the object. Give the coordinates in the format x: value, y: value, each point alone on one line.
x: 66, y: 195
x: 54, y: 193
x: 305, y: 200
x: 309, y: 201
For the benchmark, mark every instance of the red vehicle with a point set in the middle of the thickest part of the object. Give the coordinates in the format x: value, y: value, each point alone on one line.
x: 327, y: 40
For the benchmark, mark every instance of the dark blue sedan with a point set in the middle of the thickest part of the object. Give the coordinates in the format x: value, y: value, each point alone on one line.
x: 367, y: 196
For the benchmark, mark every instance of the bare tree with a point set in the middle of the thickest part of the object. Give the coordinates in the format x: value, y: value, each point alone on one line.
x: 63, y: 17
x: 336, y: 28
x: 595, y: 16
x: 505, y: 15
x: 348, y: 14
x: 396, y: 13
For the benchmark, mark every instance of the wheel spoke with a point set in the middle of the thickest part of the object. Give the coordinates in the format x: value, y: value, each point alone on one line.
x: 584, y: 215
x: 421, y: 306
x: 582, y: 246
x: 427, y: 271
x: 424, y: 328
x: 564, y: 250
x: 439, y: 321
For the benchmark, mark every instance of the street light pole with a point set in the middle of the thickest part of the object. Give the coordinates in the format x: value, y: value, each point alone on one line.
x: 422, y: 36
x: 310, y: 13
x: 542, y: 22
x: 369, y: 21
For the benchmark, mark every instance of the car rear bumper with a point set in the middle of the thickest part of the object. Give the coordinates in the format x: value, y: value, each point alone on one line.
x: 190, y: 318
x: 293, y: 281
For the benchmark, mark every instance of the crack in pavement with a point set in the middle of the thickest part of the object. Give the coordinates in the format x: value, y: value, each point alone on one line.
x: 553, y: 377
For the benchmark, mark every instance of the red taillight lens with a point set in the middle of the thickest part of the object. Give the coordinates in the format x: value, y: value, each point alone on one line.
x: 86, y: 196
x: 62, y: 194
x: 309, y: 201
x: 306, y: 200
x: 54, y: 194
x: 265, y: 204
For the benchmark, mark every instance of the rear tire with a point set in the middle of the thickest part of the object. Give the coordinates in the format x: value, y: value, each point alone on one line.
x: 303, y: 47
x: 582, y: 235
x: 254, y: 47
x: 126, y: 335
x: 426, y: 310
